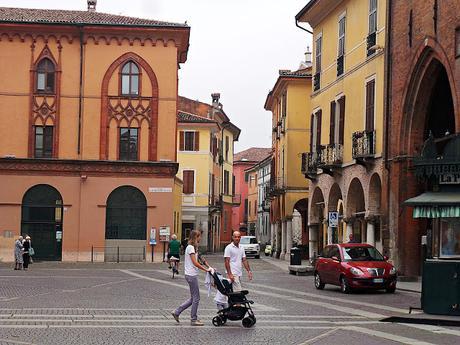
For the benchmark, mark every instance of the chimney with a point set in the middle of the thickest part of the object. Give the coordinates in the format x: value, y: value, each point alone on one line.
x: 92, y: 5
x: 216, y: 105
x: 308, y: 57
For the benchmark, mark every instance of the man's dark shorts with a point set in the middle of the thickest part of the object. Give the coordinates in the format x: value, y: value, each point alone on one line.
x: 175, y: 255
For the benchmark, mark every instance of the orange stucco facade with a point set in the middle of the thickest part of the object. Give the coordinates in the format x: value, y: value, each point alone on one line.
x: 86, y: 110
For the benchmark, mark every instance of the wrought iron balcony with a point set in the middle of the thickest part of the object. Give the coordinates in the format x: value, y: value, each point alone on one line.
x: 266, y: 205
x: 236, y: 199
x: 277, y: 186
x: 317, y: 81
x: 331, y: 156
x: 371, y: 42
x: 340, y: 65
x: 363, y: 144
x: 309, y: 163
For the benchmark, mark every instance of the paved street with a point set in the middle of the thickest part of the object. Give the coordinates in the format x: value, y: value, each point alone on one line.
x: 56, y: 303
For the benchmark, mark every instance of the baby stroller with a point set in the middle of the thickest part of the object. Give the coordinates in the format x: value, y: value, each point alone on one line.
x: 238, y: 305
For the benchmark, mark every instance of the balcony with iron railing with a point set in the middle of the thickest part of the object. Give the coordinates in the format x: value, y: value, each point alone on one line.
x: 340, y: 65
x: 309, y: 163
x: 277, y: 186
x: 371, y: 42
x: 363, y: 145
x: 331, y: 156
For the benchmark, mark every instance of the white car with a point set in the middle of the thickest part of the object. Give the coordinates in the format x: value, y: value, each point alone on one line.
x: 251, y: 246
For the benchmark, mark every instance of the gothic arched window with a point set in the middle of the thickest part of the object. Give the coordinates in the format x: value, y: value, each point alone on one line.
x: 130, y: 79
x: 45, y: 76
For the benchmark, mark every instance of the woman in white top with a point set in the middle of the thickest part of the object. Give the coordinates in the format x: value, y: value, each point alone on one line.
x: 191, y: 276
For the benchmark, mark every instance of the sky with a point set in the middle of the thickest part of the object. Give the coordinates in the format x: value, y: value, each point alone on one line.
x: 236, y: 48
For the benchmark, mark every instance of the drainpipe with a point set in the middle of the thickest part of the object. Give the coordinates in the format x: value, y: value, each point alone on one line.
x: 80, y: 95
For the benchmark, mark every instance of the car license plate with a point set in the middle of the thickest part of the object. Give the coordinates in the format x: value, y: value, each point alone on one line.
x: 378, y: 280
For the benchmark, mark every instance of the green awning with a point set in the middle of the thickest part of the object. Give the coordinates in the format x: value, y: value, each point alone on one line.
x: 435, y: 205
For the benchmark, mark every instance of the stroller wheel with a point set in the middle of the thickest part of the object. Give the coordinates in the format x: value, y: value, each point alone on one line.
x: 217, y: 321
x: 248, y: 322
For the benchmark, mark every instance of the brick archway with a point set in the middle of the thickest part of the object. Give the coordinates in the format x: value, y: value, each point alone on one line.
x: 153, y: 126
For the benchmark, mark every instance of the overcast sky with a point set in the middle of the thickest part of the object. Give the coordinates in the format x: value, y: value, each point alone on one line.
x: 236, y: 48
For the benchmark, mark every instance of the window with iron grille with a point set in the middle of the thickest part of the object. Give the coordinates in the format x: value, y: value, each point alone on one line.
x: 43, y: 142
x: 128, y: 144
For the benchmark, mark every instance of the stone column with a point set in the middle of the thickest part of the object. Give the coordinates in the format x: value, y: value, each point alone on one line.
x: 288, y: 239
x: 283, y: 240
x: 296, y: 227
x: 370, y: 227
x: 329, y: 234
x: 313, y: 240
x: 348, y: 230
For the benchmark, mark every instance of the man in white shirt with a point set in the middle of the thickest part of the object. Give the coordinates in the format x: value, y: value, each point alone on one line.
x: 235, y: 258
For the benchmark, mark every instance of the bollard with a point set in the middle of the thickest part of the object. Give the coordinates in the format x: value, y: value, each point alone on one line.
x: 92, y: 254
x: 118, y: 254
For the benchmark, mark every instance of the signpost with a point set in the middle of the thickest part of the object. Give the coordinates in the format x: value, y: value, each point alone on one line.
x: 165, y: 232
x: 333, y: 219
x: 153, y: 241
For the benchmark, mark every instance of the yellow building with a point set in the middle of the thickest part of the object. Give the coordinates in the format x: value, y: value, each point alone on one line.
x: 289, y: 103
x: 205, y: 153
x: 251, y: 177
x: 344, y: 162
x: 88, y: 155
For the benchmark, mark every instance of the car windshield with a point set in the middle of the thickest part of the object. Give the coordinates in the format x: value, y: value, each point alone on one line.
x: 362, y: 254
x: 248, y: 240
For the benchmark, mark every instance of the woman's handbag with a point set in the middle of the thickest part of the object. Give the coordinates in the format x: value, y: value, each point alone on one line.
x: 31, y: 251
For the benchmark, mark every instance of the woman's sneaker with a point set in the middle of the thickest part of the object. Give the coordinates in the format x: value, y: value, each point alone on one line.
x: 197, y: 323
x: 176, y: 317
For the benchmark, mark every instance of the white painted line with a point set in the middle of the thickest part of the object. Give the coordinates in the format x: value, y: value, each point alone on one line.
x: 314, y: 339
x: 9, y: 341
x: 183, y: 286
x: 330, y: 298
x: 384, y: 335
x: 433, y: 328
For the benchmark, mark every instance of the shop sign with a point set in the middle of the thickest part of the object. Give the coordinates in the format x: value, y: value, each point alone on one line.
x: 449, y: 179
x: 165, y: 231
x: 160, y: 189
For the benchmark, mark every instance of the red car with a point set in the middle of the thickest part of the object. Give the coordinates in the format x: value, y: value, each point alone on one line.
x: 354, y: 266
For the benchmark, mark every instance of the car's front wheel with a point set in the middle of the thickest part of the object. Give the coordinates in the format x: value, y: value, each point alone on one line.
x: 344, y: 287
x: 391, y: 289
x: 318, y: 282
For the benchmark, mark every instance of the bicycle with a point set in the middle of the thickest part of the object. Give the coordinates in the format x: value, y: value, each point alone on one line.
x: 174, y: 264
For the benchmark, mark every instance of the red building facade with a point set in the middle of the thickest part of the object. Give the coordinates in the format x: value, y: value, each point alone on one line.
x: 423, y: 94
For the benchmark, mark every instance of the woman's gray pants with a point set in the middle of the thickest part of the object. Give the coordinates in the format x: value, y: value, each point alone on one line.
x: 194, y: 299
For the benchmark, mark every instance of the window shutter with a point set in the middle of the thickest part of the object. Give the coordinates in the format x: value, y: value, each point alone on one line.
x: 370, y: 92
x: 312, y: 118
x: 197, y: 141
x: 342, y: 120
x: 188, y: 181
x: 318, y: 129
x: 181, y: 141
x: 332, y: 124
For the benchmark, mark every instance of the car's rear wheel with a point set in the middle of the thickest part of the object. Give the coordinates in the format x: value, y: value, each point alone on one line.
x: 344, y: 287
x: 318, y: 282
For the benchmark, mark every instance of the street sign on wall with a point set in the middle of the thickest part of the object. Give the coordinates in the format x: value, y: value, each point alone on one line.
x: 333, y: 219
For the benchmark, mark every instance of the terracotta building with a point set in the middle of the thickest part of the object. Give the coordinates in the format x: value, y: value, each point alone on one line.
x: 241, y: 161
x: 88, y: 153
x: 423, y: 96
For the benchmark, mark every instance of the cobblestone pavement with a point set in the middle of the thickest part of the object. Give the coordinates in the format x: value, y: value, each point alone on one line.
x: 58, y: 303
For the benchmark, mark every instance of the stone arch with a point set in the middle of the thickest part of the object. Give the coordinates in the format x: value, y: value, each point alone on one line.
x: 300, y: 209
x: 355, y: 203
x: 375, y: 195
x: 335, y: 204
x: 431, y: 64
x: 153, y: 103
x: 42, y: 219
x: 316, y: 211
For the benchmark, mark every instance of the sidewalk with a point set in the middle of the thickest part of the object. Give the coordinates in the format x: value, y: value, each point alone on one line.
x: 410, y: 286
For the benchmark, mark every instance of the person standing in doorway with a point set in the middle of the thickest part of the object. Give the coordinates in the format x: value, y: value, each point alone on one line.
x: 352, y: 239
x: 18, y: 247
x: 235, y: 258
x: 191, y: 268
x: 25, y: 254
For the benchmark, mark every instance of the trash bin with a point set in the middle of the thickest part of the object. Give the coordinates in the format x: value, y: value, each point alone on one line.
x: 296, y: 258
